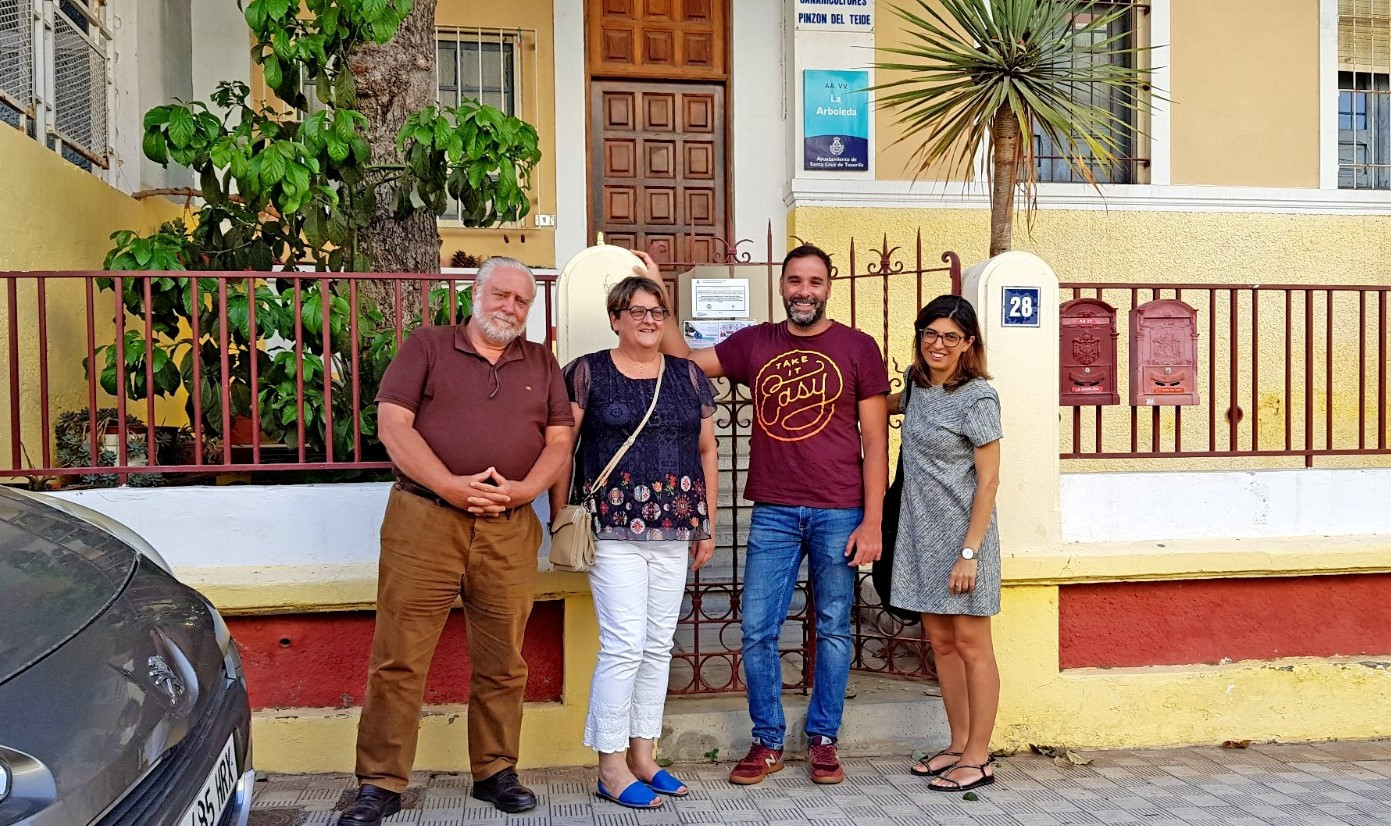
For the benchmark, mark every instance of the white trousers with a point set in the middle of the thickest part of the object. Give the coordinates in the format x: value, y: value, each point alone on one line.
x: 637, y: 589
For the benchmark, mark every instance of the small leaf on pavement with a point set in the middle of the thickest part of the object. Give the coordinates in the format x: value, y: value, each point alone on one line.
x: 971, y: 796
x: 1236, y: 744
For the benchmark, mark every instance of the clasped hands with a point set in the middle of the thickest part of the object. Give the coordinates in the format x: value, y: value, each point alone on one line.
x: 488, y: 493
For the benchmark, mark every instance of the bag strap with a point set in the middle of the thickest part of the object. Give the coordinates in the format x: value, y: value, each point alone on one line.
x: 613, y: 463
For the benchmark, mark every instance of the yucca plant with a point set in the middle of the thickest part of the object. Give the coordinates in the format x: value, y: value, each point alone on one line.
x: 987, y: 72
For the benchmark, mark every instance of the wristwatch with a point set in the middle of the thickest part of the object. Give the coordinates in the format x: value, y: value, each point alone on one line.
x: 968, y: 553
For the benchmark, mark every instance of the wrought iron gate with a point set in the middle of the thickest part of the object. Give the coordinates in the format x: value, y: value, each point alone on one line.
x: 708, y: 639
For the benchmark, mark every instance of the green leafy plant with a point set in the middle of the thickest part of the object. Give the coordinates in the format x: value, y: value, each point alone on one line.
x: 283, y: 190
x: 985, y: 73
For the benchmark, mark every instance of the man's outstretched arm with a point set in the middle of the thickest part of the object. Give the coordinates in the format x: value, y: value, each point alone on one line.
x: 673, y: 343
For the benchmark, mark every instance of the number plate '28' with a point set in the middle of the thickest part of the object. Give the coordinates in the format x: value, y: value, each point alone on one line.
x: 1021, y: 307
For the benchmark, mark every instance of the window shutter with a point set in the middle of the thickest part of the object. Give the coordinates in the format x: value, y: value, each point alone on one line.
x: 1364, y: 36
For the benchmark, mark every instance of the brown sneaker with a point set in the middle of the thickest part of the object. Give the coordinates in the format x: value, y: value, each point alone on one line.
x: 825, y: 762
x: 760, y: 762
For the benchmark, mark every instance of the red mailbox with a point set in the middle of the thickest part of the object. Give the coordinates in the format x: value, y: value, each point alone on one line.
x: 1088, y: 353
x: 1163, y: 353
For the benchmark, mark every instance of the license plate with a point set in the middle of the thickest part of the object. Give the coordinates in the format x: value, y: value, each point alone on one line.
x: 212, y: 799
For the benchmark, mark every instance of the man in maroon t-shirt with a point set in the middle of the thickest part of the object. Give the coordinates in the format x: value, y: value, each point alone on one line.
x: 818, y: 469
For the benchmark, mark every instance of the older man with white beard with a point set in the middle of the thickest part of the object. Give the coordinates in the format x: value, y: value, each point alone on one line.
x: 478, y: 424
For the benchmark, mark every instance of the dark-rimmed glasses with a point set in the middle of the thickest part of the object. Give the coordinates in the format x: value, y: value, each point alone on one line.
x: 930, y: 336
x: 639, y: 313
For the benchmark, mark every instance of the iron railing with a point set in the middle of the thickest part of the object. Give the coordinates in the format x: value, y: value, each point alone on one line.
x: 1285, y: 371
x: 321, y: 340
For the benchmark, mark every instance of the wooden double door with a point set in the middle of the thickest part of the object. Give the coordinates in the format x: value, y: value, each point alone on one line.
x: 659, y: 169
x: 659, y: 161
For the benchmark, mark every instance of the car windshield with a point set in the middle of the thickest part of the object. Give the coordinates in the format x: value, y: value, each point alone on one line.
x: 57, y: 573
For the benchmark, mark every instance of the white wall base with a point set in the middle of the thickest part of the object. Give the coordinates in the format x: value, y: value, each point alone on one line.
x: 236, y: 525
x: 248, y: 525
x: 1127, y: 507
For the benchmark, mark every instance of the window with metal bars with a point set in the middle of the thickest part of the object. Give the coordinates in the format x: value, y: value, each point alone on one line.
x: 472, y: 64
x: 477, y: 65
x: 1131, y: 160
x: 1364, y: 94
x: 54, y: 62
x: 481, y: 65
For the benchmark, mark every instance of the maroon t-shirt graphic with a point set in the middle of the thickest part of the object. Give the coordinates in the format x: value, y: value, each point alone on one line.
x: 806, y: 390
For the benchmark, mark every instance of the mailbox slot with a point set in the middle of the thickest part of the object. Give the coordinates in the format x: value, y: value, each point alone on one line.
x: 1088, y: 359
x: 1163, y: 354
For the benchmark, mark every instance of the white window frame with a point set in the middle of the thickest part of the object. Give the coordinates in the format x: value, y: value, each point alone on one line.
x: 39, y: 114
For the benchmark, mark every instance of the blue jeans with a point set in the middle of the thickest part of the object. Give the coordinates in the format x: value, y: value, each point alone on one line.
x: 779, y: 537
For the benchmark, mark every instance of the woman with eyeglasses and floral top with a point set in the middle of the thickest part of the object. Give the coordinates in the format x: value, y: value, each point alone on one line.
x: 947, y: 558
x: 655, y: 508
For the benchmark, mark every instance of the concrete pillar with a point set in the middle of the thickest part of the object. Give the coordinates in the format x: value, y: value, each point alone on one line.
x: 1016, y: 298
x: 582, y: 322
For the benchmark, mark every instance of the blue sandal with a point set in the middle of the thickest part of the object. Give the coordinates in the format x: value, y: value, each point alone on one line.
x: 664, y: 782
x: 636, y: 796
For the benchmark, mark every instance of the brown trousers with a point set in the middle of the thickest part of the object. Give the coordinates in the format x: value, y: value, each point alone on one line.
x: 430, y: 555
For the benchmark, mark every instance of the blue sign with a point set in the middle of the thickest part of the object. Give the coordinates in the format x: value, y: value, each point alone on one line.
x: 1021, y: 307
x: 835, y: 120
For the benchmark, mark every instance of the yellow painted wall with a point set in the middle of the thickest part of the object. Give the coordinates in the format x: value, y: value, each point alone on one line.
x: 1287, y: 700
x: 58, y: 217
x: 321, y: 740
x: 1245, y: 93
x: 1153, y: 247
x: 530, y: 245
x: 894, y: 158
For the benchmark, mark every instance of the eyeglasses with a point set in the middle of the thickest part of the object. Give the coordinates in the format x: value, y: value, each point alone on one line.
x: 930, y: 336
x: 638, y: 313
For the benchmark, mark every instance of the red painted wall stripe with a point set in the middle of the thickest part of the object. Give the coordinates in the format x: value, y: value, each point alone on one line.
x: 320, y: 660
x: 1206, y: 621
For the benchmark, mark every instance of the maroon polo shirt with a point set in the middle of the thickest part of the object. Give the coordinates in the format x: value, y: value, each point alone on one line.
x: 475, y: 415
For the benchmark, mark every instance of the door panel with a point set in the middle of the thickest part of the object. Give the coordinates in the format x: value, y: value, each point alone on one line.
x: 660, y: 169
x: 666, y: 39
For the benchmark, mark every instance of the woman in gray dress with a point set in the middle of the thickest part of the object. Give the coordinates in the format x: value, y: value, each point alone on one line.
x: 947, y: 558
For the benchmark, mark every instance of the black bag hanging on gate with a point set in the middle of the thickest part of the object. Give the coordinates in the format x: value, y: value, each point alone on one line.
x: 881, y: 573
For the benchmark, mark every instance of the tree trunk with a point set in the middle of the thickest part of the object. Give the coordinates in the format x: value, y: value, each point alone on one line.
x: 1004, y: 136
x: 394, y: 80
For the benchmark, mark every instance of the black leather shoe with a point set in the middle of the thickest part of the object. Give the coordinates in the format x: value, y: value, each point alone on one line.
x: 504, y: 791
x: 372, y: 805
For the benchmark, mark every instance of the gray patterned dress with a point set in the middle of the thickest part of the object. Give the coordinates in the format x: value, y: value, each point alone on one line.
x: 941, y: 430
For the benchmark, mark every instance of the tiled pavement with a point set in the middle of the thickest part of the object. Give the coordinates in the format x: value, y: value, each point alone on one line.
x: 1297, y: 785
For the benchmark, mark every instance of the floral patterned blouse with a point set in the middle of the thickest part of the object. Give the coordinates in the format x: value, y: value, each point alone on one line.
x: 657, y: 491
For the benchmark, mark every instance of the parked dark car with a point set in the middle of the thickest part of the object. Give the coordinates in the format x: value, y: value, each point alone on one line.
x: 122, y: 699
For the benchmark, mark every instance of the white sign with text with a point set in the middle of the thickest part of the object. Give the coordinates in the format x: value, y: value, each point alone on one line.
x: 834, y: 15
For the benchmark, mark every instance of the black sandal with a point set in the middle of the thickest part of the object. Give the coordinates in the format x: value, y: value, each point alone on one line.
x: 957, y: 786
x: 926, y: 762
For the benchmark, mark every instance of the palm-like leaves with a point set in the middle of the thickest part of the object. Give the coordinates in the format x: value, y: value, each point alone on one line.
x: 997, y: 68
